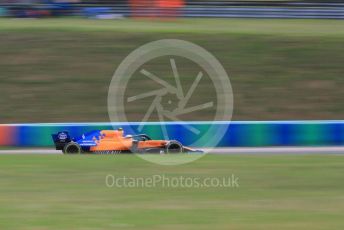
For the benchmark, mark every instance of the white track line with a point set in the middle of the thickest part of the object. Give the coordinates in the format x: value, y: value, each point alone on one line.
x: 234, y: 150
x: 30, y: 151
x: 279, y: 150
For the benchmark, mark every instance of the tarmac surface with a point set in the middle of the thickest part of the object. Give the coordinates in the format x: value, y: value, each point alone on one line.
x: 236, y: 150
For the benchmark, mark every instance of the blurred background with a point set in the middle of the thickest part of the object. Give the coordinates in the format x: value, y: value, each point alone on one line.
x: 57, y: 57
x: 174, y: 8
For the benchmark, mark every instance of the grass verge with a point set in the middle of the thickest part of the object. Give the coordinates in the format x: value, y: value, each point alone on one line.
x: 69, y: 192
x: 59, y: 70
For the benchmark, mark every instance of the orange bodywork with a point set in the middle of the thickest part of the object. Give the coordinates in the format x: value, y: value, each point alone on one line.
x: 113, y: 140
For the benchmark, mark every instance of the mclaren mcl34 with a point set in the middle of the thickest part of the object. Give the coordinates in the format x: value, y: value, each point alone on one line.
x: 114, y: 141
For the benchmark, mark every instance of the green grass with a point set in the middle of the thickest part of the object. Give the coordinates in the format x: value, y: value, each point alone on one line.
x: 289, y: 27
x: 69, y: 192
x: 59, y: 70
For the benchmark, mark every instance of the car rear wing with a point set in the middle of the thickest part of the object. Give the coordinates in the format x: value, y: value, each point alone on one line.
x: 61, y: 139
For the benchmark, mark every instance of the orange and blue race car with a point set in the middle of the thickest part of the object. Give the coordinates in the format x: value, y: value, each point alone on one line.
x: 114, y: 141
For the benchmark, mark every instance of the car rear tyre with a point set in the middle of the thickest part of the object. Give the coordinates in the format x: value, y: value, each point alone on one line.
x: 72, y: 148
x: 174, y: 147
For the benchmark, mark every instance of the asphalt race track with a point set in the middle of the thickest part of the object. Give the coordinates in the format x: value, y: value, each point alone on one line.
x: 249, y: 150
x: 280, y: 150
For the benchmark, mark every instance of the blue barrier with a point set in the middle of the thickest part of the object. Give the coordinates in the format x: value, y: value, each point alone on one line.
x: 238, y: 134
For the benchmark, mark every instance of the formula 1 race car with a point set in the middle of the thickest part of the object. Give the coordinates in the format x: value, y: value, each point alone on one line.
x: 114, y: 141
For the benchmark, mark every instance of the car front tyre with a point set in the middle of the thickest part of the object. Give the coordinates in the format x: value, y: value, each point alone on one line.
x: 174, y: 147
